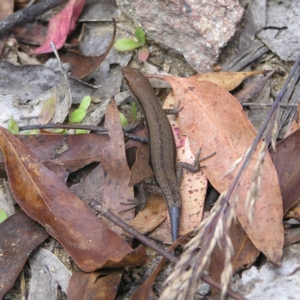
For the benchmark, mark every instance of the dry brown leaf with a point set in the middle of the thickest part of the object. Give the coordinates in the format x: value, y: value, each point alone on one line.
x: 45, y: 198
x: 19, y: 237
x: 215, y: 121
x: 96, y: 285
x: 227, y: 80
x: 153, y: 214
x: 244, y: 255
x: 288, y: 171
x: 116, y: 188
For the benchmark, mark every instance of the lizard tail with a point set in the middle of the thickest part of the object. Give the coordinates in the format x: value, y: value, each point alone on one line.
x: 174, y: 213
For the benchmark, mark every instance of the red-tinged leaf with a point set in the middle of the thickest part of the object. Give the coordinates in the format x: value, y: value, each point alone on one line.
x: 45, y: 198
x: 143, y: 54
x: 19, y: 237
x: 95, y: 285
x: 61, y: 25
x: 215, y: 121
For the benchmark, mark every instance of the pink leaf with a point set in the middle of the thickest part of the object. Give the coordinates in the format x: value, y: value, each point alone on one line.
x: 61, y: 25
x: 143, y: 54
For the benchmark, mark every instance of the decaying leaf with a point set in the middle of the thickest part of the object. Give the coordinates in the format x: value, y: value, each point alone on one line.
x: 45, y: 198
x: 226, y: 80
x: 48, y: 110
x: 19, y: 237
x: 215, y: 121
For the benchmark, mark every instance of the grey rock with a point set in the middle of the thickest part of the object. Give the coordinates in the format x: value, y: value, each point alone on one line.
x: 198, y: 29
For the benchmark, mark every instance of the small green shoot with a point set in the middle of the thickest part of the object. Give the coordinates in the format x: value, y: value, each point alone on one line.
x: 124, y: 121
x: 141, y: 36
x: 3, y: 215
x: 125, y: 44
x: 13, y: 126
x: 77, y: 115
x: 85, y: 102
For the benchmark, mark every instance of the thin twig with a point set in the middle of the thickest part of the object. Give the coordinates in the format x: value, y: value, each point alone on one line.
x: 26, y: 14
x: 146, y: 241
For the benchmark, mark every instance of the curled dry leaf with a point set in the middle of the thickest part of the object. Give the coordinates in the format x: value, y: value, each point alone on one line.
x: 226, y: 80
x: 45, y: 198
x: 215, y: 121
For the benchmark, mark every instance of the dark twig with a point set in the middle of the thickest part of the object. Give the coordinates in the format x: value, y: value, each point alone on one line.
x: 27, y: 14
x: 148, y: 242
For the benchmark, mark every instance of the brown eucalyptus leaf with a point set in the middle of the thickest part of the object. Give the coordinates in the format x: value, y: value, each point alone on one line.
x: 116, y: 188
x: 19, y: 237
x: 215, y: 122
x: 72, y: 152
x: 45, y: 198
x: 287, y: 164
x: 96, y: 285
x: 226, y: 80
x: 153, y: 214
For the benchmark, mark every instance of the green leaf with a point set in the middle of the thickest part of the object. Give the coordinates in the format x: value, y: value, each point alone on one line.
x: 3, y: 215
x: 134, y: 112
x: 29, y: 132
x: 81, y: 131
x: 126, y: 44
x: 85, y: 102
x: 13, y: 126
x: 77, y: 115
x: 140, y: 35
x: 124, y: 121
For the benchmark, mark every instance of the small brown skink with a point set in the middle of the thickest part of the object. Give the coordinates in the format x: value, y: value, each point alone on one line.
x: 162, y: 148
